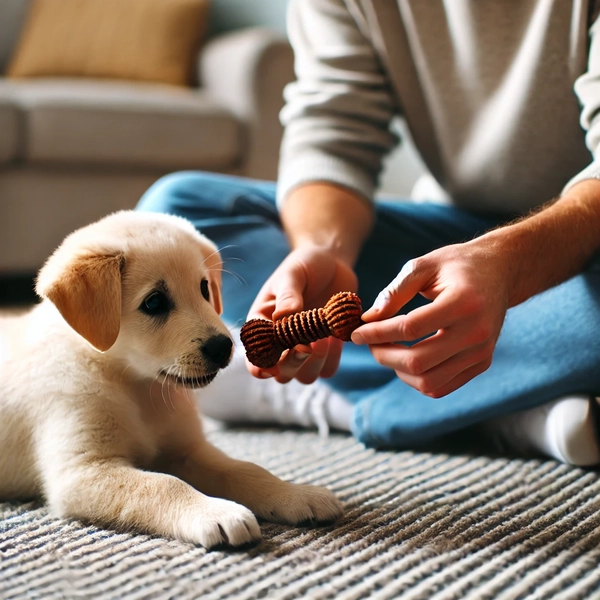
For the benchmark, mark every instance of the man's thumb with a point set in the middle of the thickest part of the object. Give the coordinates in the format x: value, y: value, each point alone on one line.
x: 287, y: 304
x: 395, y: 295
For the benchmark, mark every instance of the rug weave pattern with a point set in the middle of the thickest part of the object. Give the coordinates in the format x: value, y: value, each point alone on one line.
x: 417, y: 526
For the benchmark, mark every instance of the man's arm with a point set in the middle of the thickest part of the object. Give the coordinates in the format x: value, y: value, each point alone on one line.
x: 550, y: 246
x: 337, y: 114
x: 327, y: 216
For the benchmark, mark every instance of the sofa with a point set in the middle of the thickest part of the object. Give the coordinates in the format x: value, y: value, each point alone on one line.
x: 73, y: 149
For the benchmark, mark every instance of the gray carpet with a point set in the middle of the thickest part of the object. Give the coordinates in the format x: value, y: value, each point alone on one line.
x: 428, y: 525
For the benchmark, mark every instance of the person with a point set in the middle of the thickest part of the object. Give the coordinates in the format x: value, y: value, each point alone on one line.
x: 483, y: 308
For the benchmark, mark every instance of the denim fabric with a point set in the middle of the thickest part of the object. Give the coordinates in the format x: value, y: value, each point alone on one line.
x: 549, y: 345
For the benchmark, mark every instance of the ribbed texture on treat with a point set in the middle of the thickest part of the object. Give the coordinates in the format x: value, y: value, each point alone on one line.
x: 302, y: 328
x: 418, y: 526
x: 265, y: 340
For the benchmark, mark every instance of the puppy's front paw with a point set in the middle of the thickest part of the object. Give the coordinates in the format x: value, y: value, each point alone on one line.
x: 221, y: 522
x: 296, y: 504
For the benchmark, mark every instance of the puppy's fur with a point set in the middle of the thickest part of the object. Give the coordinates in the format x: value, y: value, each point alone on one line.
x: 96, y: 411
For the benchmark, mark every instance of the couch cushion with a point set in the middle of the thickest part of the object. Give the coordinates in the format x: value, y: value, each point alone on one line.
x: 144, y: 40
x: 119, y: 123
x: 10, y: 143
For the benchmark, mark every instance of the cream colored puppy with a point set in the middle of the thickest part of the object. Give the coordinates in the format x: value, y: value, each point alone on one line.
x: 96, y: 412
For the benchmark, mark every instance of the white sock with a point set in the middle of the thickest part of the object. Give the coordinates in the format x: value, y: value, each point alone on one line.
x: 338, y: 412
x: 564, y: 429
x: 235, y: 396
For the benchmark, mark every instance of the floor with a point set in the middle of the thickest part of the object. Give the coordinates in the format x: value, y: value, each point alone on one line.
x: 442, y: 524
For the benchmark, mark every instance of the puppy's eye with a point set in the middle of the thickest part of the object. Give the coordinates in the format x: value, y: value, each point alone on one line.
x: 204, y: 289
x: 156, y: 303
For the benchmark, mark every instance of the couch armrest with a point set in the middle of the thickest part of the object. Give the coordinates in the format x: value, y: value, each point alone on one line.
x: 246, y: 71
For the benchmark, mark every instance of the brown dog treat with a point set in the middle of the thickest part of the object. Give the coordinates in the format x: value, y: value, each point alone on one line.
x: 264, y: 340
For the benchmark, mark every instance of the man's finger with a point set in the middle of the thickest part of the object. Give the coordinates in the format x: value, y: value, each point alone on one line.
x: 291, y: 361
x: 332, y: 362
x: 311, y: 369
x: 451, y: 380
x: 288, y: 288
x: 417, y: 324
x: 450, y: 347
x: 462, y: 378
x: 281, y: 295
x: 405, y: 286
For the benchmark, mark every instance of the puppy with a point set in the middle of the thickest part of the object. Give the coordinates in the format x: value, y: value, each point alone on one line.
x: 96, y: 409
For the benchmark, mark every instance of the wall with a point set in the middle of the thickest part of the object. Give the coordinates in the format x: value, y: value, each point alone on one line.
x: 235, y: 14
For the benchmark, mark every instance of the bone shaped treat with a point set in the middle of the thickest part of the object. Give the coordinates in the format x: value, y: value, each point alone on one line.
x: 264, y: 340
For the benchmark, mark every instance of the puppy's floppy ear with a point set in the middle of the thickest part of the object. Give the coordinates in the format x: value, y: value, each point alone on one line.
x: 215, y: 291
x: 87, y: 292
x: 214, y: 266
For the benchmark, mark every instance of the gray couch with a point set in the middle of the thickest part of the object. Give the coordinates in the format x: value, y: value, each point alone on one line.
x: 73, y: 150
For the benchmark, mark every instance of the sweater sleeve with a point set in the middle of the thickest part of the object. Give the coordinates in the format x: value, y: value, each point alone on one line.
x: 587, y: 89
x: 338, y: 112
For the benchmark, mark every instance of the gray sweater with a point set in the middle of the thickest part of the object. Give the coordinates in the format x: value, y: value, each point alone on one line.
x: 497, y: 94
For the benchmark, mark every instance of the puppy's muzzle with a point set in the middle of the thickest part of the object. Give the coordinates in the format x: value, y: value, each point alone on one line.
x: 216, y: 351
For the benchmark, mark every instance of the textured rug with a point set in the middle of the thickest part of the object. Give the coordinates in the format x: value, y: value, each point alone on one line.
x: 422, y: 525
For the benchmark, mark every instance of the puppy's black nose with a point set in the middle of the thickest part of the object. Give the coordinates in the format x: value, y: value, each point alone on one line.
x: 217, y: 349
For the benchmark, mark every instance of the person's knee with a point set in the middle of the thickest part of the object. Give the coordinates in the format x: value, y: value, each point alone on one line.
x: 183, y: 192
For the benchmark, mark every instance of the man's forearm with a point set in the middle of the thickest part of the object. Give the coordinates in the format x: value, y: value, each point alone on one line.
x: 550, y: 246
x: 328, y: 216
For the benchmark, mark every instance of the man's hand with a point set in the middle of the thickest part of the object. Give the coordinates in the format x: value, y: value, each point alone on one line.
x: 307, y: 278
x: 467, y: 287
x: 472, y: 285
x: 326, y: 226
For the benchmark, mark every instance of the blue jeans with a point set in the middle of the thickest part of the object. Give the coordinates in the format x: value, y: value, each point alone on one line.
x: 549, y: 346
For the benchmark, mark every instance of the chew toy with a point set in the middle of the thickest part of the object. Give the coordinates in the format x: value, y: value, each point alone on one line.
x: 265, y: 340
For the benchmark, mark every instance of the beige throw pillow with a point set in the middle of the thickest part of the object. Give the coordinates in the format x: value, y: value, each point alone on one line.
x: 144, y: 40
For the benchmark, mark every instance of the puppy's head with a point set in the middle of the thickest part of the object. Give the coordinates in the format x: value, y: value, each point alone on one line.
x: 144, y: 288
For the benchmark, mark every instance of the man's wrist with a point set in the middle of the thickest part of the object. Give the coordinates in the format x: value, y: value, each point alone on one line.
x: 327, y: 217
x: 550, y: 245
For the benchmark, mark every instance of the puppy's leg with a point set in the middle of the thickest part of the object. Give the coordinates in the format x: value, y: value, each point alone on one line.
x: 112, y: 493
x: 216, y: 474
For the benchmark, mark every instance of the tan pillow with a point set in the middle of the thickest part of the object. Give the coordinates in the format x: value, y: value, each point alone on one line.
x: 143, y: 40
